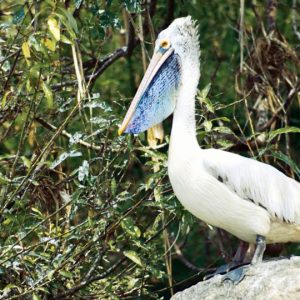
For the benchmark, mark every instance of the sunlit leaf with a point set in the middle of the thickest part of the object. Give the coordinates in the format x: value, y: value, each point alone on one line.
x: 26, y: 161
x: 132, y: 255
x: 54, y: 28
x: 64, y: 156
x: 280, y: 131
x: 66, y: 274
x: 35, y: 297
x: 207, y: 125
x: 49, y: 43
x: 83, y: 170
x: 4, y: 98
x: 34, y: 209
x: 204, y: 92
x: 48, y: 94
x: 26, y: 50
x: 65, y: 40
x: 129, y: 226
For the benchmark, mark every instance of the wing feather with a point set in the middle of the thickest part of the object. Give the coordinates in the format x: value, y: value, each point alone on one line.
x: 257, y: 182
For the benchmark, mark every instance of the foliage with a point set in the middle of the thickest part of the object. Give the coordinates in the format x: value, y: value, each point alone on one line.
x: 85, y: 213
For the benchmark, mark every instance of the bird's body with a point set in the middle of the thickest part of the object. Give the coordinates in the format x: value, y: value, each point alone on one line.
x: 250, y: 199
x: 209, y: 193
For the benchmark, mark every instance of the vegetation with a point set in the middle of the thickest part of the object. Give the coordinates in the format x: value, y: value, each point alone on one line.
x: 88, y: 214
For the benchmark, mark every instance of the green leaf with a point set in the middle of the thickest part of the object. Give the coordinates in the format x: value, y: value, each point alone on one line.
x: 26, y: 162
x: 35, y: 297
x: 69, y: 21
x: 64, y: 156
x: 113, y: 187
x: 36, y: 44
x: 204, y: 92
x: 128, y: 225
x: 133, y: 6
x: 66, y: 274
x: 48, y: 94
x: 65, y: 40
x: 207, y: 125
x: 223, y: 129
x: 225, y: 144
x: 132, y: 255
x: 4, y: 179
x: 19, y: 15
x: 287, y: 160
x: 203, y: 99
x: 277, y: 132
x: 37, y: 211
x: 4, y: 98
x: 49, y: 43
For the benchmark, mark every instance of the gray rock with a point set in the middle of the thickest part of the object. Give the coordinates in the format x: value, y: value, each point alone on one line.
x: 270, y: 280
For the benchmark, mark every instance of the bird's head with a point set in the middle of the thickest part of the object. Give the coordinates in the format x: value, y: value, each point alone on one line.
x: 176, y: 48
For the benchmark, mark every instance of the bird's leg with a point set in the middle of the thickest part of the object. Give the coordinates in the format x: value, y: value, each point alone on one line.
x: 260, y: 249
x: 238, y: 274
x: 238, y: 260
x: 240, y: 255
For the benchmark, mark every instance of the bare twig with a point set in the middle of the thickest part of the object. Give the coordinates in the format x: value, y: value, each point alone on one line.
x: 271, y: 14
x: 184, y: 260
x: 294, y: 21
x: 284, y: 107
x: 241, y: 33
x: 67, y: 135
x: 103, y: 65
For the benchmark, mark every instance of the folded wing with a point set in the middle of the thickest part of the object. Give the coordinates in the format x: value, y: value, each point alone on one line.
x: 257, y: 182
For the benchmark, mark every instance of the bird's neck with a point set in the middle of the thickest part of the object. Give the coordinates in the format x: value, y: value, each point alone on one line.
x: 184, y: 124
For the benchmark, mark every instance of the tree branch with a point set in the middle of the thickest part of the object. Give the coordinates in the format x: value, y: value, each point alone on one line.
x: 67, y: 135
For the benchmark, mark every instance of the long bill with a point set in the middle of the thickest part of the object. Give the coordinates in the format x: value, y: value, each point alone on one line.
x: 156, y: 62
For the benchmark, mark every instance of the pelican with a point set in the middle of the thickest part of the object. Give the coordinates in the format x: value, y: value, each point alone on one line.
x: 249, y: 199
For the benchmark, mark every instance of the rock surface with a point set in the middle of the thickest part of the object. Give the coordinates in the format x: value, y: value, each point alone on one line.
x: 278, y: 279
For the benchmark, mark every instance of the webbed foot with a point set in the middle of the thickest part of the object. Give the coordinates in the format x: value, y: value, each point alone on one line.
x: 224, y: 269
x: 236, y: 275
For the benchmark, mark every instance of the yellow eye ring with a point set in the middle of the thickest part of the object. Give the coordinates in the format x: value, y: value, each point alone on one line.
x: 165, y: 44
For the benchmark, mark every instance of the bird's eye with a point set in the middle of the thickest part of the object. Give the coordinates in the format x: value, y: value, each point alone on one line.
x: 165, y: 44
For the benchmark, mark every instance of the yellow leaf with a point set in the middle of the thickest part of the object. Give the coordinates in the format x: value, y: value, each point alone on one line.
x: 4, y: 98
x: 26, y: 50
x: 155, y: 135
x: 50, y: 44
x: 54, y: 28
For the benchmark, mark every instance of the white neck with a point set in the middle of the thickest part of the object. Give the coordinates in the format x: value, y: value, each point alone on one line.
x: 184, y: 124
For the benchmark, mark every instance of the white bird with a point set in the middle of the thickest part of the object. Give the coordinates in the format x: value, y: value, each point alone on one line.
x: 249, y: 199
